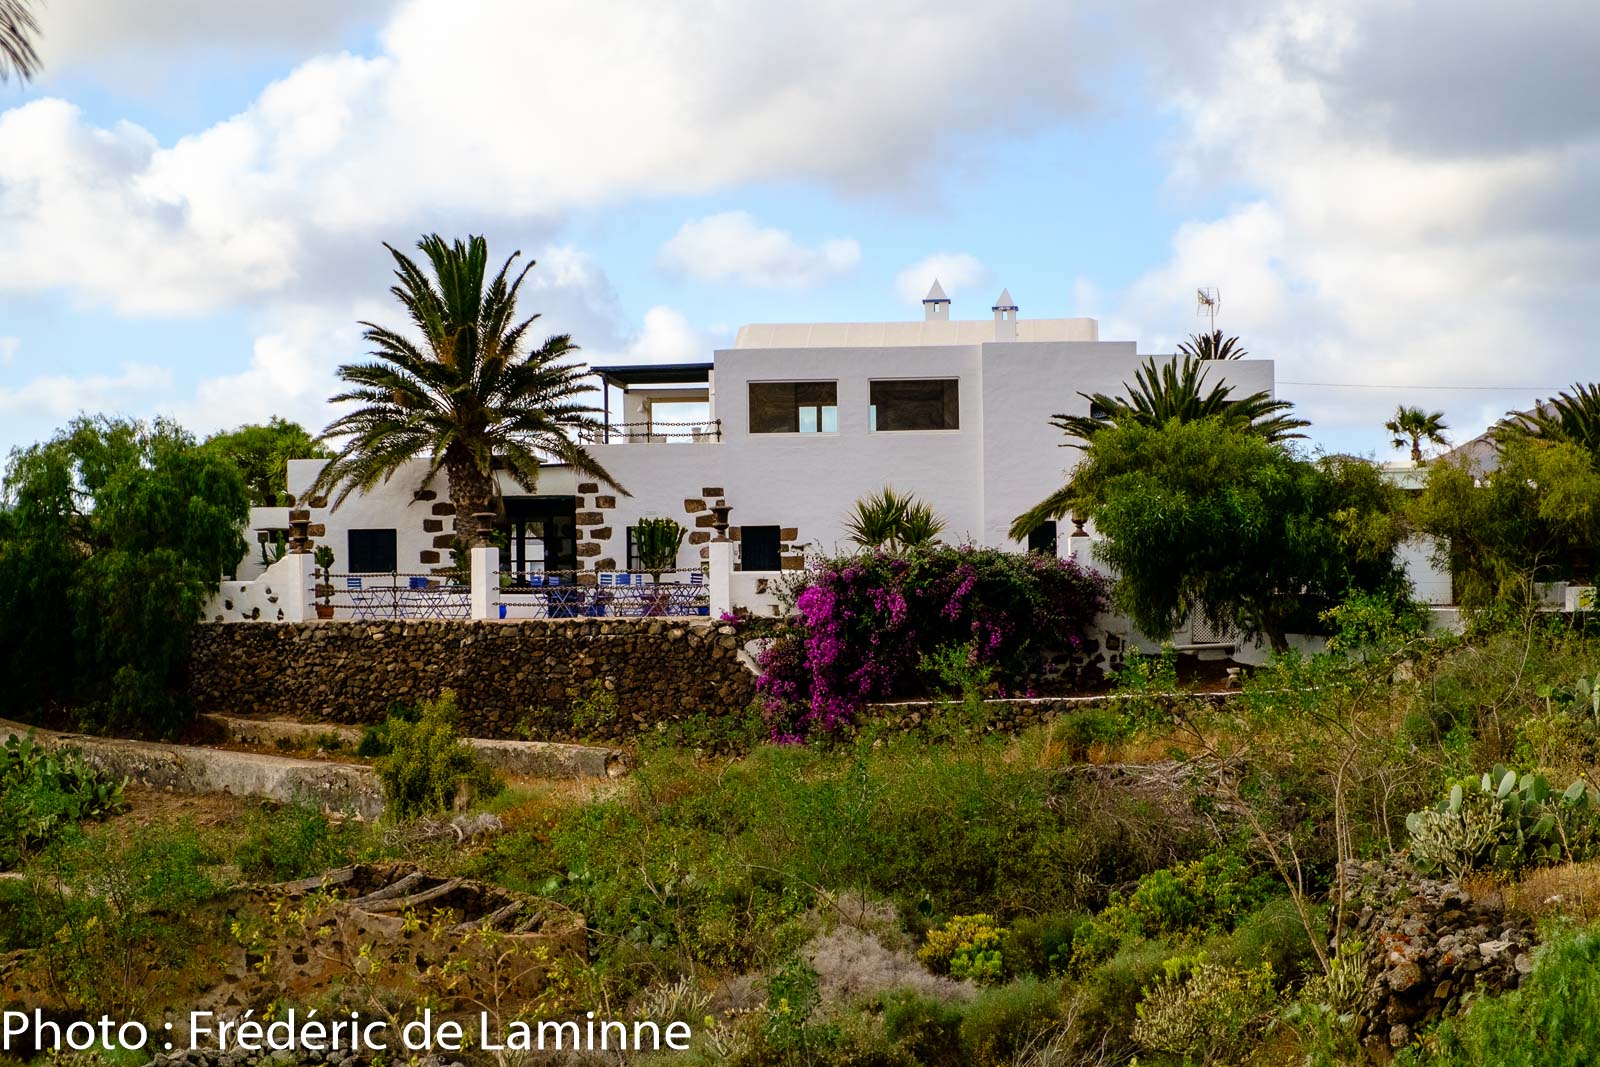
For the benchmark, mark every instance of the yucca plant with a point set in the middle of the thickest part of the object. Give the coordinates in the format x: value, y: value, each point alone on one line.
x: 471, y: 396
x: 888, y: 520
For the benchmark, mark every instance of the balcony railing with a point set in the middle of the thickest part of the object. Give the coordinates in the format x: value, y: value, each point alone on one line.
x: 396, y: 595
x: 619, y: 433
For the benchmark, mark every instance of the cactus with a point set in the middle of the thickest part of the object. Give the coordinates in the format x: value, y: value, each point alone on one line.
x: 1502, y: 820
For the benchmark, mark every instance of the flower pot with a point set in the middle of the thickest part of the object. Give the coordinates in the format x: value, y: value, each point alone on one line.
x: 324, y: 611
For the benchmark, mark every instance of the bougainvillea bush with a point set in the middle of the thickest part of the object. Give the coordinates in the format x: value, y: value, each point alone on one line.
x: 863, y: 624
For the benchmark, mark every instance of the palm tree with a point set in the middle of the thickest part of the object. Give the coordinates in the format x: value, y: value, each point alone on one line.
x: 1174, y: 391
x: 888, y: 520
x: 1415, y: 426
x: 1573, y: 417
x: 472, y: 397
x: 17, y: 31
x: 1211, y: 346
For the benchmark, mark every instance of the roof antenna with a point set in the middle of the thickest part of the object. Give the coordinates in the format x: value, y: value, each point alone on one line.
x: 1208, y: 301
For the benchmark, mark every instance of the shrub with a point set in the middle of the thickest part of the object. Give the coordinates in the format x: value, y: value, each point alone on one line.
x: 44, y: 792
x: 427, y: 766
x: 122, y: 909
x: 928, y: 1029
x: 1006, y: 1019
x: 596, y: 713
x: 1042, y: 945
x: 967, y: 947
x: 866, y: 623
x: 1204, y: 1012
x: 295, y: 841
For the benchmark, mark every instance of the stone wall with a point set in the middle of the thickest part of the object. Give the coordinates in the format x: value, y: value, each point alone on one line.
x: 505, y: 674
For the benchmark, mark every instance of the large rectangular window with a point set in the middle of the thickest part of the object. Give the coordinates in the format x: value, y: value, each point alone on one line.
x: 794, y: 407
x: 370, y: 551
x: 905, y: 404
x: 759, y: 548
x: 1042, y: 538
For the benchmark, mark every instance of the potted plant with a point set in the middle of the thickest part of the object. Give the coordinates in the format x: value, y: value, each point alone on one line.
x: 323, y: 558
x: 657, y: 541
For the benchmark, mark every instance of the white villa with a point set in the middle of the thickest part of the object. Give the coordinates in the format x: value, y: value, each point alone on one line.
x: 787, y: 429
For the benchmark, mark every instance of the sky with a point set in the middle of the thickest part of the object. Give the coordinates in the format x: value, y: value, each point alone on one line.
x: 1396, y: 201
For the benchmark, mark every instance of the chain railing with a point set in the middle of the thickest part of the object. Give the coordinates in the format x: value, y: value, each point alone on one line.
x: 606, y: 594
x: 393, y: 595
x: 652, y: 432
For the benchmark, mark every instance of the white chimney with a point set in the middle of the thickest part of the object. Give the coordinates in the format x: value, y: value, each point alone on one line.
x: 1005, y: 317
x: 936, y: 306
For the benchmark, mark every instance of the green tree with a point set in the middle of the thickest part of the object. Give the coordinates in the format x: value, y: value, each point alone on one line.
x: 1534, y: 518
x: 112, y: 535
x: 1211, y: 346
x: 1413, y: 426
x: 262, y: 454
x: 472, y: 396
x: 1171, y: 392
x: 17, y: 31
x: 887, y: 519
x: 1209, y: 517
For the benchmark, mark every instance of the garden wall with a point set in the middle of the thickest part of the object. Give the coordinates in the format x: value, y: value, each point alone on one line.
x: 505, y: 673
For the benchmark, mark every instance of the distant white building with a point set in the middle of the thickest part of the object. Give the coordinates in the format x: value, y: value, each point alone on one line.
x: 790, y: 427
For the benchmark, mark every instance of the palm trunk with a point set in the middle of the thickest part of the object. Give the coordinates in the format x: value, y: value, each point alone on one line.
x: 1416, y: 451
x: 470, y: 492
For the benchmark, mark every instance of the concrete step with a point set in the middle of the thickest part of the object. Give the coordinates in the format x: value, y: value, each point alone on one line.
x: 336, y: 787
x: 519, y: 759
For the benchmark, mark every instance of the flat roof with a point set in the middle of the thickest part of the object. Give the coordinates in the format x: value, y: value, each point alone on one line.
x: 655, y: 373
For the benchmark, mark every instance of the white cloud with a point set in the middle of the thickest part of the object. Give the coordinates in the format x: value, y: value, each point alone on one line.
x: 1367, y: 252
x: 667, y: 337
x: 955, y: 271
x: 733, y: 246
x: 60, y: 396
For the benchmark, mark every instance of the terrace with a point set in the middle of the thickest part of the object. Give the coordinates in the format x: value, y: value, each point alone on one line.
x: 659, y: 404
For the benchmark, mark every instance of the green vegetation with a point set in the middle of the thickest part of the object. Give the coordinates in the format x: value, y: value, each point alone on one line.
x: 893, y: 521
x: 262, y: 454
x: 112, y: 535
x: 425, y: 767
x: 44, y: 793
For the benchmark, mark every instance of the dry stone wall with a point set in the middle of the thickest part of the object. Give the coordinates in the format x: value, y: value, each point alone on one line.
x: 509, y: 676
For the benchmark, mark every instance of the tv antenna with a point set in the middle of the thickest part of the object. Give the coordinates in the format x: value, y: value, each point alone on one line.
x: 1208, y: 301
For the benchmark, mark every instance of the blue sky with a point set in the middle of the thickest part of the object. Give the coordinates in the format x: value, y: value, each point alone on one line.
x: 193, y: 194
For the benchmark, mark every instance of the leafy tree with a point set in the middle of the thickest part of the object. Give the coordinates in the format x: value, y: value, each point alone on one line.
x: 112, y: 535
x: 1535, y: 518
x: 262, y: 454
x: 1211, y: 346
x: 17, y: 31
x: 887, y: 519
x: 1573, y: 417
x: 1209, y: 517
x: 472, y: 397
x: 1413, y: 426
x: 1172, y: 392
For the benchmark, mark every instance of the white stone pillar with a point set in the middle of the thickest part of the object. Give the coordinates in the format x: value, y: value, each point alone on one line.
x: 294, y: 578
x: 485, y: 582
x: 720, y: 579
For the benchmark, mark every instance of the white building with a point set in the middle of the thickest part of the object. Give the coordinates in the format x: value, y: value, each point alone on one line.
x: 790, y: 427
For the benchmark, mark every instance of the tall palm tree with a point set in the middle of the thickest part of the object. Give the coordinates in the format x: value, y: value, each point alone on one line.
x: 17, y: 31
x: 472, y: 396
x: 1174, y: 391
x: 1573, y: 417
x: 1211, y: 346
x: 1415, y: 426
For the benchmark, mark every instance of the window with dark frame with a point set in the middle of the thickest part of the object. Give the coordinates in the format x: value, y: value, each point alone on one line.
x: 915, y: 404
x: 760, y: 548
x: 634, y: 564
x: 1042, y: 538
x: 794, y: 407
x: 371, y: 552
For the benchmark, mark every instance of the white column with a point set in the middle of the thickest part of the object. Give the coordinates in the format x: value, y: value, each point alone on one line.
x: 720, y: 578
x: 485, y: 582
x: 293, y: 577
